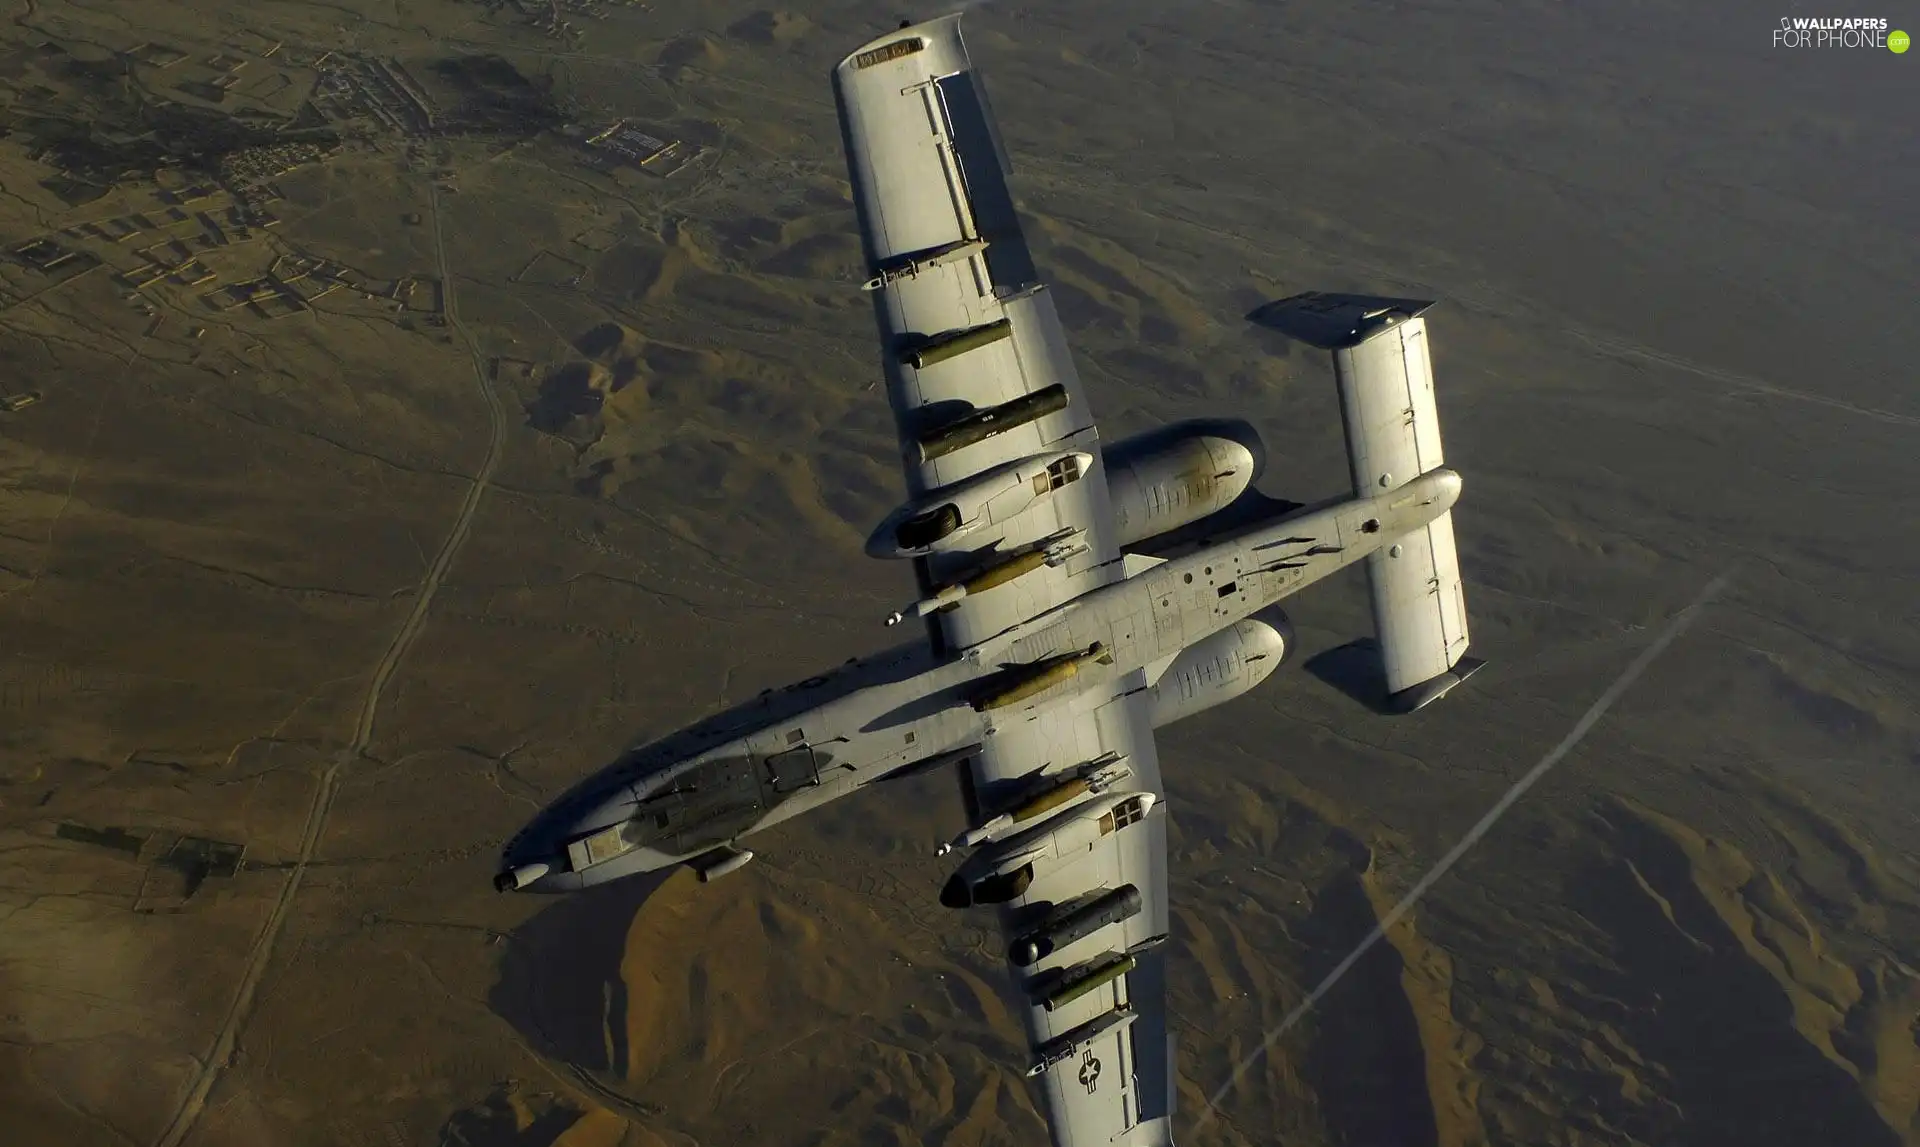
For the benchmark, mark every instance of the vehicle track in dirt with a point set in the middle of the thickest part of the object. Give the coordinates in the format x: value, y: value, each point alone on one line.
x: 328, y: 788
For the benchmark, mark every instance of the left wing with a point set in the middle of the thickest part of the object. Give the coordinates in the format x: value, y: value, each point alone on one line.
x: 984, y: 390
x: 977, y: 364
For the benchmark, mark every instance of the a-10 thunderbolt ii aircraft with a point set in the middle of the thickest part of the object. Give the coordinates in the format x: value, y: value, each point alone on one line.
x: 1059, y: 631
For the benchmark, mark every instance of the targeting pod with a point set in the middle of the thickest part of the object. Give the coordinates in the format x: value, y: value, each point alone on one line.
x: 1051, y: 552
x: 981, y: 425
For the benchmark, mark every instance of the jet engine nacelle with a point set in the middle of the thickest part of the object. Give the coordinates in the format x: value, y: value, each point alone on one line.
x: 1176, y: 475
x: 1221, y: 667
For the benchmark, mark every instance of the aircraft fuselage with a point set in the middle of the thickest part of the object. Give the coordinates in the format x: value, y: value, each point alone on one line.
x: 697, y: 792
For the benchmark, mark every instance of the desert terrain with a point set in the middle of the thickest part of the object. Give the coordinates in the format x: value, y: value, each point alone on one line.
x: 403, y: 449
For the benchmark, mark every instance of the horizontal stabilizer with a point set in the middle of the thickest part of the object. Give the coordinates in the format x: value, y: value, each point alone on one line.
x: 1420, y: 613
x: 1331, y: 321
x: 1385, y: 375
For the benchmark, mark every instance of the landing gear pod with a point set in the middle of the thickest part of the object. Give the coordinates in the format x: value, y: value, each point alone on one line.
x: 941, y: 519
x: 927, y: 528
x: 996, y: 889
x: 1002, y: 871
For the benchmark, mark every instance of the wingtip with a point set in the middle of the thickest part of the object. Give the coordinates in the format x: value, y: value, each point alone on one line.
x: 1335, y: 321
x: 1433, y: 688
x: 933, y: 31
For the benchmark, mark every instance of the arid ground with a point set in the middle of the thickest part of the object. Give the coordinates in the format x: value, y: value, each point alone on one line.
x: 400, y: 455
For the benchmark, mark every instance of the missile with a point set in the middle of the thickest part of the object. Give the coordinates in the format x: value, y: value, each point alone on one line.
x: 1063, y: 1047
x: 1051, y: 553
x: 948, y: 596
x: 1094, y: 777
x: 1077, y: 981
x: 1103, y: 971
x: 1023, y: 681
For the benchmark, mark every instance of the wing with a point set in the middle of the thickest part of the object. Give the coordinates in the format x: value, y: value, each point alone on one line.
x: 1104, y: 1055
x: 977, y: 365
x: 980, y: 376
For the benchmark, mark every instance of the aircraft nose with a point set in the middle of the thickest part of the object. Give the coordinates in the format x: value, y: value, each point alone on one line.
x: 536, y: 859
x: 535, y: 855
x: 518, y: 877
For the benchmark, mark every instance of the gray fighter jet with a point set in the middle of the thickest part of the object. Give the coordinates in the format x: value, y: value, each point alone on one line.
x: 1075, y: 597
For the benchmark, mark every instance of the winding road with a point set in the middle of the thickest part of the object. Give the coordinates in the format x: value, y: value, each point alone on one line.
x: 261, y: 953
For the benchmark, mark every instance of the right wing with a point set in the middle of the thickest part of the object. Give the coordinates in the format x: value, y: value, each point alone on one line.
x: 1385, y: 375
x: 1113, y: 1084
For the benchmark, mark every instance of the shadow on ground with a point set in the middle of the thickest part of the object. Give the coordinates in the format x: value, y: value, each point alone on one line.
x: 1367, y: 1065
x: 560, y: 985
x: 1355, y: 670
x: 1720, y: 1032
x: 509, y: 1119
